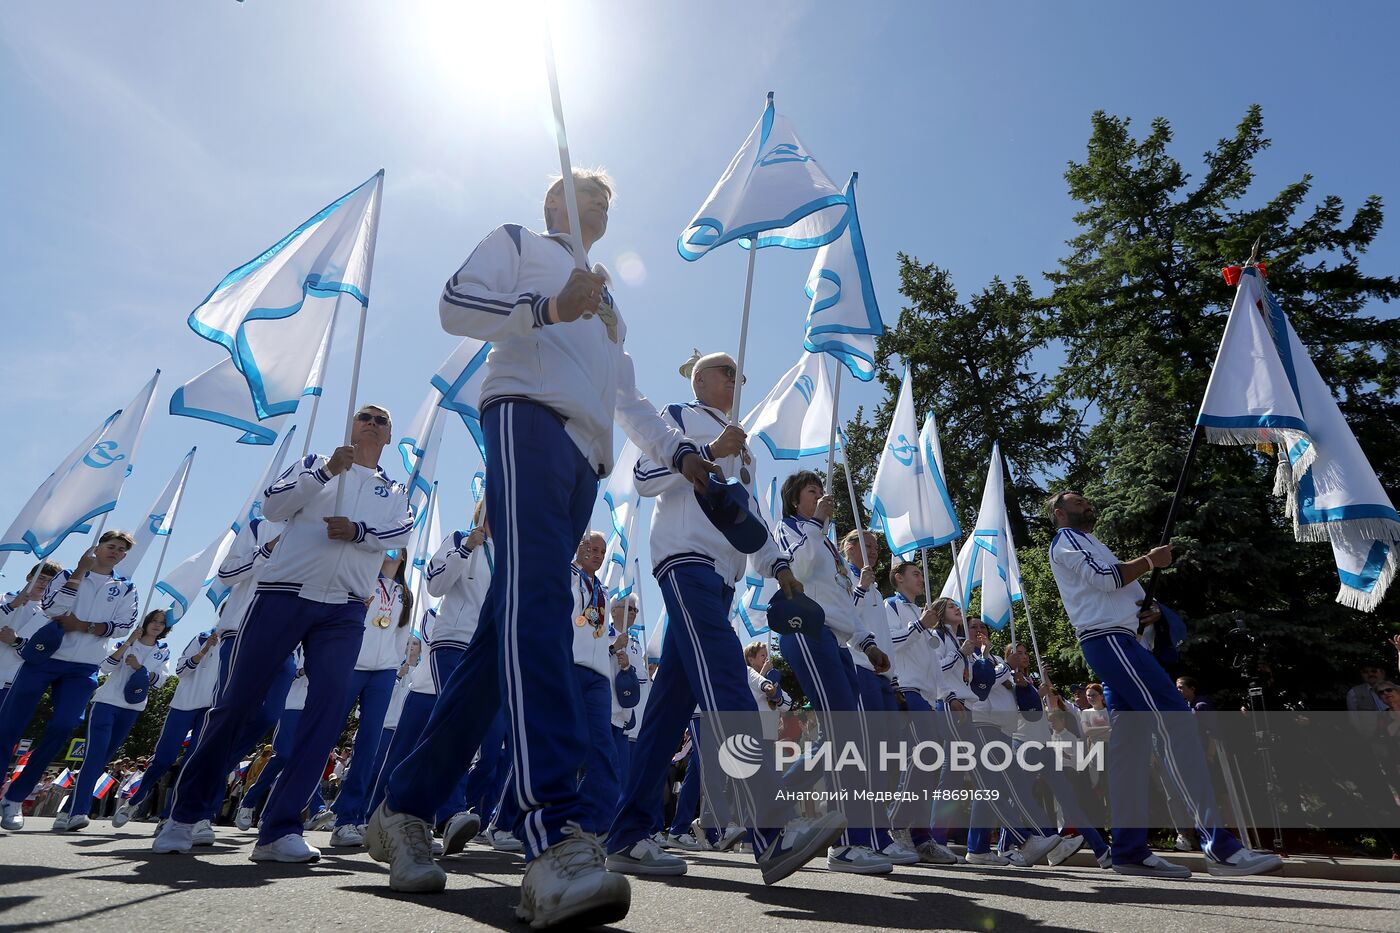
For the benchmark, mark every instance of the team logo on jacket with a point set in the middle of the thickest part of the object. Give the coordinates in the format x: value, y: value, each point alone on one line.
x: 113, y: 591
x: 740, y: 756
x: 103, y: 455
x: 381, y: 491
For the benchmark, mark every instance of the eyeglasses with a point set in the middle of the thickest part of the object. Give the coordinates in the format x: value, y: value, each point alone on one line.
x: 729, y: 371
x: 365, y: 417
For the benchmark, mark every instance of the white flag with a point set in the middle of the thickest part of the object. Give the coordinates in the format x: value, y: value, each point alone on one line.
x: 987, y: 560
x: 220, y: 393
x: 625, y: 505
x: 772, y: 190
x: 160, y: 520
x: 1264, y: 387
x: 908, y: 498
x: 260, y: 312
x: 95, y: 481
x: 14, y: 537
x: 459, y: 381
x: 184, y: 583
x: 794, y: 420
x: 749, y: 617
x: 419, y: 449
x: 844, y: 318
x: 429, y: 537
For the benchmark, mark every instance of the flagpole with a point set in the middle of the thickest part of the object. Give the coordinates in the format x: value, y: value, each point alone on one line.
x: 350, y: 412
x: 427, y: 441
x: 743, y: 334
x: 325, y: 368
x: 831, y: 439
x: 928, y: 593
x: 160, y: 561
x: 566, y: 170
x: 1035, y: 646
x: 1197, y: 434
x: 422, y: 535
x: 101, y: 527
x: 855, y: 508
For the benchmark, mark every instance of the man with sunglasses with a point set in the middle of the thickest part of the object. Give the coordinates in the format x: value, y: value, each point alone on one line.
x: 312, y: 593
x: 557, y: 378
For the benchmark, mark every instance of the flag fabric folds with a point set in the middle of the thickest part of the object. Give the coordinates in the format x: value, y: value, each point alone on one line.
x: 184, y: 583
x: 844, y: 318
x: 94, y: 482
x: 794, y: 419
x: 625, y: 505
x: 773, y: 192
x: 987, y: 560
x: 220, y: 393
x: 1265, y: 389
x: 459, y: 380
x: 260, y: 311
x: 160, y: 520
x: 14, y: 537
x: 749, y: 616
x: 429, y: 537
x: 908, y: 498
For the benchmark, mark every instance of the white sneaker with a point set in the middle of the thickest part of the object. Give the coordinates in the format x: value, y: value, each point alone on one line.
x: 1035, y: 849
x: 347, y: 835
x: 123, y: 815
x: 60, y: 821
x: 898, y: 854
x: 437, y: 849
x: 244, y: 818
x: 662, y: 839
x: 1245, y: 862
x: 504, y: 841
x: 801, y: 841
x: 323, y: 820
x: 406, y: 843
x: 173, y: 836
x: 292, y: 847
x: 858, y: 860
x: 1154, y: 866
x: 11, y: 815
x: 1067, y: 847
x: 935, y: 853
x: 990, y: 857
x: 684, y: 841
x: 568, y: 883
x: 698, y: 832
x: 1183, y: 844
x: 76, y: 823
x: 460, y: 830
x: 733, y: 835
x: 202, y: 834
x: 645, y: 858
x: 1106, y: 860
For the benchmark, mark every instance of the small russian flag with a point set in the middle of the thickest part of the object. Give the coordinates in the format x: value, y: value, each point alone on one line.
x: 19, y: 766
x: 104, y: 784
x: 64, y: 779
x: 132, y: 789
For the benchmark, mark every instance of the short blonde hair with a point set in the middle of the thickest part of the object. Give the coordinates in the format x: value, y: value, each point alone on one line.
x: 753, y: 648
x: 599, y: 176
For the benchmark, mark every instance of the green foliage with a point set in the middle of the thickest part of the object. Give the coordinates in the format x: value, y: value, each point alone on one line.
x: 1134, y: 321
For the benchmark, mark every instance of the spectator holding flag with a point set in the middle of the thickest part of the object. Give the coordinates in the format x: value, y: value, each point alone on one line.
x: 133, y: 671
x: 89, y: 605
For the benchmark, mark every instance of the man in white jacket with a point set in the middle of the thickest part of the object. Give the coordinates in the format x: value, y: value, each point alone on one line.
x: 556, y: 379
x: 311, y: 593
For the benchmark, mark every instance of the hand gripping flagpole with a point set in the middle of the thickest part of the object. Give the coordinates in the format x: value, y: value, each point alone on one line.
x: 855, y: 506
x: 350, y: 413
x: 566, y: 170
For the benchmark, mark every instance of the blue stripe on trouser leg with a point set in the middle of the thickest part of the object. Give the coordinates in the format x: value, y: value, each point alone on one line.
x: 373, y: 689
x: 417, y: 707
x: 1062, y: 786
x: 923, y: 725
x: 196, y: 731
x: 266, y: 716
x: 1008, y: 809
x: 701, y: 661
x: 108, y: 727
x: 878, y: 710
x: 1135, y: 682
x: 275, y: 624
x: 599, y: 786
x: 330, y: 647
x: 622, y: 748
x: 487, y: 774
x: 540, y: 491
x: 827, y: 675
x: 70, y: 686
x: 178, y: 723
x: 467, y: 701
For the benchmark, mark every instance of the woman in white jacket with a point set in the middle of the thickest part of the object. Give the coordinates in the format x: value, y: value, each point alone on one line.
x: 819, y: 659
x: 388, y: 625
x: 141, y: 657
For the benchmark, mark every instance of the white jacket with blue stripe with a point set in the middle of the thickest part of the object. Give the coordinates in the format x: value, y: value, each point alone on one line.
x: 460, y: 576
x: 825, y: 578
x: 108, y: 601
x: 308, y: 564
x: 576, y: 369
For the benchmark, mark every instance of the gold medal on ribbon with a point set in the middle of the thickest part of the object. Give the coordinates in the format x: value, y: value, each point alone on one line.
x: 598, y: 632
x: 581, y: 621
x: 381, y: 621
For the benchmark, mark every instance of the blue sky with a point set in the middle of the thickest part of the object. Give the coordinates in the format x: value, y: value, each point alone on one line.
x: 150, y: 149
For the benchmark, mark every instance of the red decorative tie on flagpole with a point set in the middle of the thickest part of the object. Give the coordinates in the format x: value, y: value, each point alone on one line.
x: 1232, y: 273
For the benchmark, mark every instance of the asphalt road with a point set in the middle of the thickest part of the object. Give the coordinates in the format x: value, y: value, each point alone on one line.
x: 110, y: 879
